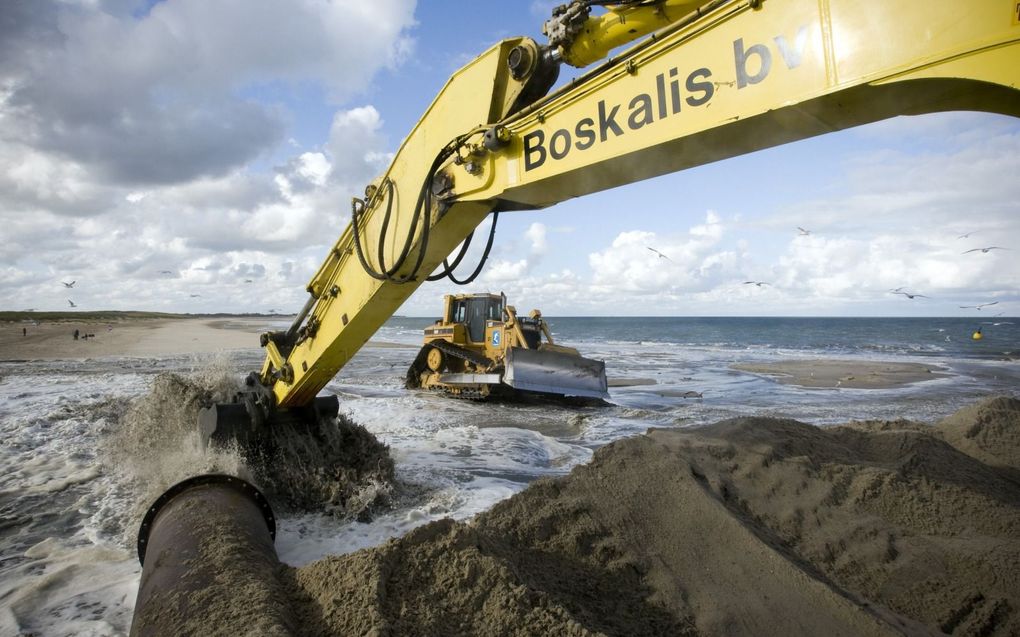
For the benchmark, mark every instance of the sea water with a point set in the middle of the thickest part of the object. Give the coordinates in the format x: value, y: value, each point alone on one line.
x: 68, y: 514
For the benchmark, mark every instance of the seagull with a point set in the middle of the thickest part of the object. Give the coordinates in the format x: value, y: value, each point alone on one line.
x: 247, y: 280
x: 661, y: 255
x: 166, y: 272
x: 964, y: 236
x: 69, y: 285
x: 912, y: 296
x: 978, y: 306
x: 897, y: 290
x: 758, y: 283
x: 71, y: 303
x: 996, y: 324
x: 195, y: 295
x: 803, y: 232
x: 985, y: 250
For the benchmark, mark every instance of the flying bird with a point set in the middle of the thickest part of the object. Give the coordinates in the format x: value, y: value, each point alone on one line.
x: 661, y: 255
x: 897, y: 290
x: 964, y: 236
x: 912, y: 296
x: 985, y: 250
x: 71, y: 303
x: 803, y: 232
x: 194, y: 295
x: 996, y: 324
x: 978, y: 306
x: 758, y: 283
x: 69, y: 285
x: 247, y: 281
x: 166, y: 272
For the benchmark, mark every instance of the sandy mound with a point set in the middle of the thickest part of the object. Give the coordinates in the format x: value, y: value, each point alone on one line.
x: 989, y: 431
x: 750, y: 526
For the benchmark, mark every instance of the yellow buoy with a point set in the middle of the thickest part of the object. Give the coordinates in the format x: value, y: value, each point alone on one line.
x: 977, y: 336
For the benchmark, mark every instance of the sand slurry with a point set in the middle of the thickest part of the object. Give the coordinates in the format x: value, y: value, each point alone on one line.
x: 750, y: 526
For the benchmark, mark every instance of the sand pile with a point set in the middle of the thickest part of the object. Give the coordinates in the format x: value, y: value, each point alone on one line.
x: 749, y: 526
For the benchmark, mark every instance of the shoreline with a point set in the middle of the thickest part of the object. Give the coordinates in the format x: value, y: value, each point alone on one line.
x: 137, y: 337
x: 144, y: 337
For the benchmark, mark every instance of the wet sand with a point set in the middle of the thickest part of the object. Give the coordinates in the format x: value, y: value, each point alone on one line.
x: 850, y: 374
x: 750, y: 526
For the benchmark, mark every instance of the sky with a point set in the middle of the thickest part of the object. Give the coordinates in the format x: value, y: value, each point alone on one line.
x: 200, y: 156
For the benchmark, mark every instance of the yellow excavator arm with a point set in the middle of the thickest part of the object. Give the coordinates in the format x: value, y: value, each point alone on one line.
x: 708, y: 81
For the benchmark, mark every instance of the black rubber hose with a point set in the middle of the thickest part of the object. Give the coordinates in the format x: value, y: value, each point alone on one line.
x: 485, y: 255
x: 422, y: 214
x: 369, y: 270
x: 447, y: 266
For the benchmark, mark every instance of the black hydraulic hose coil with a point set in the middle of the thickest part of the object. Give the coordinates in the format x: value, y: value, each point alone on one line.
x: 448, y: 267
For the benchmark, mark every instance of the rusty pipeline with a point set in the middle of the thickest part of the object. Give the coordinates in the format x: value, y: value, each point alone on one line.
x: 208, y: 561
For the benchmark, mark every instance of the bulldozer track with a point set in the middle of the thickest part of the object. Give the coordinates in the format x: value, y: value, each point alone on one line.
x: 461, y: 352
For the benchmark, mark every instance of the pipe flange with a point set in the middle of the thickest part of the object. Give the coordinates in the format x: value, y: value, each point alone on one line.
x: 233, y: 482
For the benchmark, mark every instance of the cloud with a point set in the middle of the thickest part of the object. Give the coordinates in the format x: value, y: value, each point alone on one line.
x: 536, y: 235
x: 135, y: 138
x: 168, y: 96
x: 209, y: 233
x: 692, y: 262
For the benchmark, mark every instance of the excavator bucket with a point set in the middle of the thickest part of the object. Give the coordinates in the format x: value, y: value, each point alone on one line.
x: 553, y: 372
x: 250, y: 418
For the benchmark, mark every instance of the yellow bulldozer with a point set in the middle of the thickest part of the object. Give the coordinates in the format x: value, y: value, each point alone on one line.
x: 481, y: 348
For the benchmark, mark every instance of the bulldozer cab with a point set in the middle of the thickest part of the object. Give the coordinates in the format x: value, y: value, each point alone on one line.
x: 476, y: 311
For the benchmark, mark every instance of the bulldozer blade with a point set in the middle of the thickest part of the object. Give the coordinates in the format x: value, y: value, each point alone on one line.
x: 555, y: 373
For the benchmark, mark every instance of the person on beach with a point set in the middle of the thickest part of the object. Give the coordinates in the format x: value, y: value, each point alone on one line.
x: 24, y: 331
x: 75, y: 334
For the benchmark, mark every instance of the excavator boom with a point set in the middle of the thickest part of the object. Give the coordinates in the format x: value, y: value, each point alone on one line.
x: 713, y: 80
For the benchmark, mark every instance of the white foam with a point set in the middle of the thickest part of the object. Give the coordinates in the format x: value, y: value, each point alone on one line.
x: 306, y: 538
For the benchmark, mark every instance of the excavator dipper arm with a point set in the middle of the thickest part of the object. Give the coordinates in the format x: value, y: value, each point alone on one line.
x: 714, y: 80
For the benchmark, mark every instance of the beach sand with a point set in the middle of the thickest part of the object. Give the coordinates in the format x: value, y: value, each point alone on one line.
x: 134, y: 337
x: 130, y: 337
x: 750, y: 526
x: 851, y: 374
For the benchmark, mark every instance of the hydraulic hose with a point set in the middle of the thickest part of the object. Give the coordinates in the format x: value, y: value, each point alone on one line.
x: 448, y: 268
x: 422, y: 215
